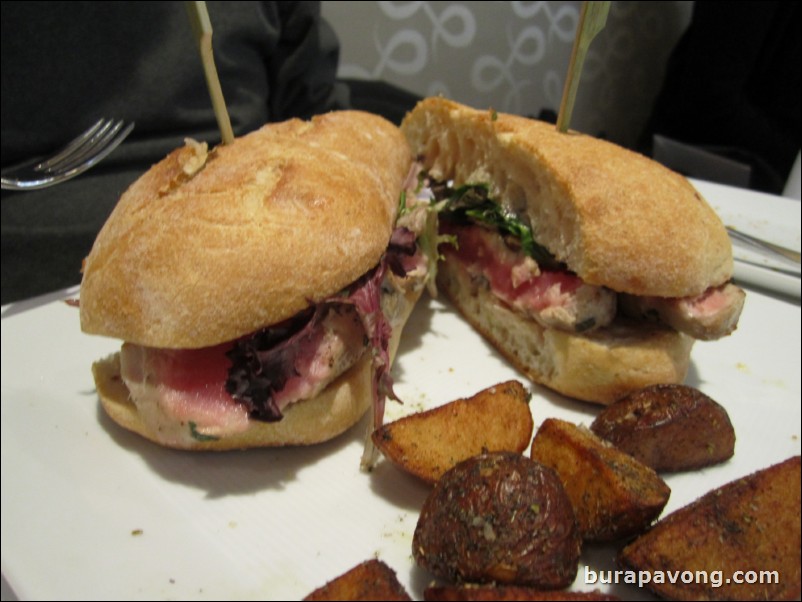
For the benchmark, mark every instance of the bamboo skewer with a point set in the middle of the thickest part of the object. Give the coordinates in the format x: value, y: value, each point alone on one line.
x: 592, y: 20
x: 202, y: 28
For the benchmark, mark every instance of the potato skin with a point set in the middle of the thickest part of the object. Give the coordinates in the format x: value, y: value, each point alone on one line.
x: 614, y: 496
x: 750, y: 524
x: 428, y: 443
x: 467, y: 593
x: 499, y: 517
x: 370, y: 580
x: 670, y: 428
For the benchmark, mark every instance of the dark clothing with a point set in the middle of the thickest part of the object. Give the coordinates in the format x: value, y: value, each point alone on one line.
x: 733, y: 85
x: 66, y: 64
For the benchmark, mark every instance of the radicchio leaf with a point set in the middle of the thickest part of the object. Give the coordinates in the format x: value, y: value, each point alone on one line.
x: 366, y: 297
x: 402, y: 244
x: 263, y: 362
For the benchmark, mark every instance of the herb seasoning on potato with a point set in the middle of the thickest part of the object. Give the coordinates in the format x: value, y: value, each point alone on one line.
x: 670, y: 428
x: 613, y: 495
x: 749, y: 526
x: 370, y: 580
x: 499, y: 517
x: 488, y: 593
x: 428, y: 443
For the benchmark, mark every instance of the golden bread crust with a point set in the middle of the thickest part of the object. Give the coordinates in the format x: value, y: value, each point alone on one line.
x: 206, y: 248
x: 616, y: 218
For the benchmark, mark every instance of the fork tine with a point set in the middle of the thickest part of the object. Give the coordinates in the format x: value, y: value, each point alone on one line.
x: 75, y: 144
x: 99, y: 153
x: 111, y: 144
x: 88, y: 149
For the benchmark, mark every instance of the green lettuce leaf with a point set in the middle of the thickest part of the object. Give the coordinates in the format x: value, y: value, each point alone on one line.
x: 471, y: 202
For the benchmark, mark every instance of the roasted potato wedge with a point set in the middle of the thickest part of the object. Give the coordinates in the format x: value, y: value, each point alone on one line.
x: 751, y: 524
x: 370, y: 580
x: 613, y: 494
x: 498, y: 517
x: 506, y: 592
x: 668, y: 427
x: 427, y: 444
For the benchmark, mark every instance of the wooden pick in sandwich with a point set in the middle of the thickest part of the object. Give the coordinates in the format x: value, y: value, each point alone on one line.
x: 202, y: 28
x: 592, y: 19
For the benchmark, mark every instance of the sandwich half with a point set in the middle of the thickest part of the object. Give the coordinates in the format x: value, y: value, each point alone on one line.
x: 593, y: 269
x: 260, y: 288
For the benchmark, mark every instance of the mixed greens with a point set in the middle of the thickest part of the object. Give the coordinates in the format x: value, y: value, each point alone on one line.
x: 471, y: 202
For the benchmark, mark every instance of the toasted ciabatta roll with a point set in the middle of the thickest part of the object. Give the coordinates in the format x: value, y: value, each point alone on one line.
x: 260, y: 287
x: 590, y: 267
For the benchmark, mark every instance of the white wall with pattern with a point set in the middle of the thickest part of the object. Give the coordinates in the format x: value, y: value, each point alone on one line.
x: 513, y: 56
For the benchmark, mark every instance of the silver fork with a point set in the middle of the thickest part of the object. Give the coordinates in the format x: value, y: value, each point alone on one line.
x: 88, y: 149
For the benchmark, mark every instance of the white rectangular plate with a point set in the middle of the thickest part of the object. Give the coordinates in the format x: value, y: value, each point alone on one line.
x: 90, y: 511
x: 772, y: 218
